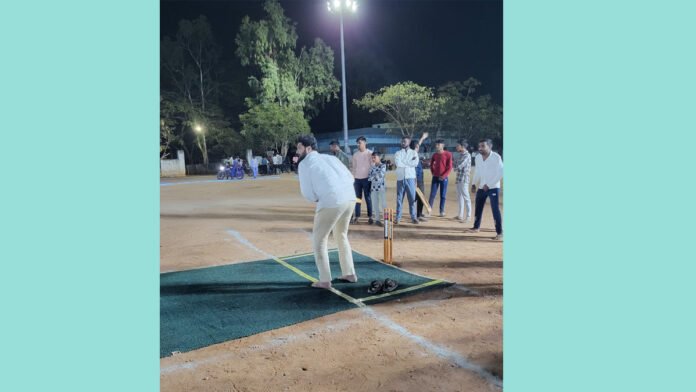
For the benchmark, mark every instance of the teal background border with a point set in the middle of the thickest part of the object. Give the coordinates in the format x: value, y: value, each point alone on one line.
x: 80, y: 190
x: 599, y: 125
x: 599, y: 195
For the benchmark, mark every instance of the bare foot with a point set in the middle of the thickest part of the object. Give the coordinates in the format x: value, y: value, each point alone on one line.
x: 322, y: 285
x: 349, y: 278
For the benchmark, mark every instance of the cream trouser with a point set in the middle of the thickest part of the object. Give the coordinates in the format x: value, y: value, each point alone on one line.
x: 464, y: 199
x: 379, y: 203
x: 337, y: 220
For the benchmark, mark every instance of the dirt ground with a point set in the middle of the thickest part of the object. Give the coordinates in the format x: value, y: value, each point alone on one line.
x: 442, y: 340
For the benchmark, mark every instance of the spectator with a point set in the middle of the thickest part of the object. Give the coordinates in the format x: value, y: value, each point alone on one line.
x: 378, y: 188
x: 462, y: 164
x: 487, y: 176
x: 415, y: 146
x: 360, y: 167
x: 406, y: 161
x: 338, y: 153
x: 440, y: 167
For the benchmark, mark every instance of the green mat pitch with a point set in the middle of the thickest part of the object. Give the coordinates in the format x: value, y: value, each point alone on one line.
x: 206, y: 306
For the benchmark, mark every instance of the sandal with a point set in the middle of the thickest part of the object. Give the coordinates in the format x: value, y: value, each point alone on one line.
x: 389, y: 285
x: 375, y: 287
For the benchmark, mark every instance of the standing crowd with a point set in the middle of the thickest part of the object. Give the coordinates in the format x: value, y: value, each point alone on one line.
x: 339, y: 184
x: 368, y: 171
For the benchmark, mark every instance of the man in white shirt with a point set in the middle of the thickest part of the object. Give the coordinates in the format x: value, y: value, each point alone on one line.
x: 406, y: 161
x: 326, y: 181
x: 487, y: 176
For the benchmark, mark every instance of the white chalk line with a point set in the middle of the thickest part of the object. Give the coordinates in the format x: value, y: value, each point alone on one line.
x: 436, y: 349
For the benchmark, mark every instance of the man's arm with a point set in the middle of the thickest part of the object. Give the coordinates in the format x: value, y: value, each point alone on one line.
x: 399, y: 159
x: 448, y: 166
x: 353, y: 164
x: 413, y: 161
x: 498, y: 172
x: 306, y: 187
x: 477, y: 176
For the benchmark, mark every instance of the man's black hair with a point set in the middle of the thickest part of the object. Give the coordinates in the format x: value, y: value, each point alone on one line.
x: 487, y: 141
x: 334, y: 143
x: 376, y: 154
x: 463, y: 143
x: 361, y: 138
x: 439, y: 141
x: 308, y: 141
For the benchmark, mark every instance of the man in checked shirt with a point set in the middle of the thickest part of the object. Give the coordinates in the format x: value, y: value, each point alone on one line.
x: 462, y: 164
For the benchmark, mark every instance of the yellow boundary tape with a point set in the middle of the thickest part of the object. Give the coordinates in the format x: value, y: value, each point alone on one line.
x: 406, y: 290
x: 313, y: 279
x: 357, y: 302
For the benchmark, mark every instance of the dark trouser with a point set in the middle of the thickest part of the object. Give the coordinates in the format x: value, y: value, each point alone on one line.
x: 362, y: 186
x: 419, y: 202
x: 442, y: 184
x: 481, y: 196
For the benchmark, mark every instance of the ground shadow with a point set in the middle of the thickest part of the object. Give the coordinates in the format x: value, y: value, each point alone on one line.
x: 449, y: 264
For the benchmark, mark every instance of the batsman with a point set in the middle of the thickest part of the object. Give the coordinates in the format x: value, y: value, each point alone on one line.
x: 326, y: 181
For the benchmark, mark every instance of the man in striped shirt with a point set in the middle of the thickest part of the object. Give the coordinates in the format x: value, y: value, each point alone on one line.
x: 462, y: 164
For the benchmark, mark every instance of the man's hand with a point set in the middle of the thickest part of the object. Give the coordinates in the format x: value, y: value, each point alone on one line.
x: 485, y: 188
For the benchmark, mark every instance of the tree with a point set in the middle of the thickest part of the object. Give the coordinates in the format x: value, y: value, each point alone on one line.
x: 271, y: 125
x: 465, y: 115
x: 190, y: 61
x: 406, y: 104
x: 288, y: 88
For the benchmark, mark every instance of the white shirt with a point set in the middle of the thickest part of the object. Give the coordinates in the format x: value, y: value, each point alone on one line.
x: 405, y: 164
x: 277, y: 160
x: 325, y: 180
x: 488, y: 172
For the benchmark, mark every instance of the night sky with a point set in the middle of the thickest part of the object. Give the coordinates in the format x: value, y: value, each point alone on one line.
x: 386, y: 41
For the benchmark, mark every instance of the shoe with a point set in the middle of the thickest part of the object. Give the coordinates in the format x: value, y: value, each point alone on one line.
x: 369, y: 222
x: 498, y: 237
x: 442, y: 215
x: 458, y: 218
x: 389, y: 285
x: 415, y: 221
x: 474, y: 230
x: 354, y: 220
x: 422, y: 219
x: 396, y: 222
x: 378, y: 223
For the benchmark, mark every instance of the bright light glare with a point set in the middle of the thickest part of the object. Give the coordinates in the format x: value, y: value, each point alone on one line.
x: 337, y: 4
x: 328, y: 5
x: 354, y: 7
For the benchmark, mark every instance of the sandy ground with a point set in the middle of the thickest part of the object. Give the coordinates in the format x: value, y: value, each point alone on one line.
x: 443, y: 340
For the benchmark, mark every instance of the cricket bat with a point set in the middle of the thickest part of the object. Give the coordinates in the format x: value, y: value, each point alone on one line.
x: 425, y: 202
